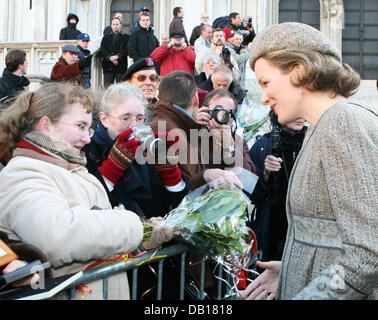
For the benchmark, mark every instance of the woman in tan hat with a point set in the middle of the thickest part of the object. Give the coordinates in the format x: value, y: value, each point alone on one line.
x: 330, y: 250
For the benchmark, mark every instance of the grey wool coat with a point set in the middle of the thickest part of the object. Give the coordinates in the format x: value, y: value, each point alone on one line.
x: 332, y: 208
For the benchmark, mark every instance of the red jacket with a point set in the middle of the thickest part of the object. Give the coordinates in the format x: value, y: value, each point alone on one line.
x: 66, y: 72
x: 171, y: 59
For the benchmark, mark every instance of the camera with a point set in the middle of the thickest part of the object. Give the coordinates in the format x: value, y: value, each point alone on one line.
x: 178, y: 43
x: 249, y: 24
x: 220, y: 114
x: 154, y: 146
x: 225, y: 52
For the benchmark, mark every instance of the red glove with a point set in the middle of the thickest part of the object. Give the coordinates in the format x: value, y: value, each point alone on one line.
x: 121, y: 156
x: 169, y: 173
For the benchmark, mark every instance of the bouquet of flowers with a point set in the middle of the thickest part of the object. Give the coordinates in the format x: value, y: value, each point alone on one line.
x: 212, y: 219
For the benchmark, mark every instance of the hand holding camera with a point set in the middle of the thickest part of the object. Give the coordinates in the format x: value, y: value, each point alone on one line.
x: 178, y: 44
x: 121, y: 156
x: 169, y: 171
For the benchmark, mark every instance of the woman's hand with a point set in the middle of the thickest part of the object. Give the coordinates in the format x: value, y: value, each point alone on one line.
x: 265, y: 285
x: 271, y: 164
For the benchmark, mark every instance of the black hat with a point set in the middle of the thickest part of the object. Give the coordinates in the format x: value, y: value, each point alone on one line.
x: 177, y: 34
x: 141, y: 64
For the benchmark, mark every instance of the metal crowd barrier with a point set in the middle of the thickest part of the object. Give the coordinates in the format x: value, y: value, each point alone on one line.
x: 104, y: 271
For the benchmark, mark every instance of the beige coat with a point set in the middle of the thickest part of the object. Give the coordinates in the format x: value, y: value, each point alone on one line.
x: 64, y: 211
x: 332, y: 207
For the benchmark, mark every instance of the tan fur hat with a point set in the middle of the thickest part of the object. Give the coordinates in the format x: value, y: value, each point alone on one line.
x: 291, y: 34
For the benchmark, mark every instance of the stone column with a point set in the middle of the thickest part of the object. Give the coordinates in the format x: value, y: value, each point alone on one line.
x: 332, y: 20
x: 4, y: 20
x: 56, y: 18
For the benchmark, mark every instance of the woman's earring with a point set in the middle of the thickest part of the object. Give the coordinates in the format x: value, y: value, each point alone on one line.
x: 300, y: 90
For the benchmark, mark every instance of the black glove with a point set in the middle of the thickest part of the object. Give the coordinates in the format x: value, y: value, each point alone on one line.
x: 86, y: 62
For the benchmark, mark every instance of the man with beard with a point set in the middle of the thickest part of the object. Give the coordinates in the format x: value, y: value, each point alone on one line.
x: 219, y: 49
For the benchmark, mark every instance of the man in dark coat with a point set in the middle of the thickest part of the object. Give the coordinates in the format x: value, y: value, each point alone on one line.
x: 114, y: 53
x: 142, y: 41
x: 177, y: 22
x: 82, y: 42
x: 70, y: 32
x: 235, y: 23
x: 13, y: 80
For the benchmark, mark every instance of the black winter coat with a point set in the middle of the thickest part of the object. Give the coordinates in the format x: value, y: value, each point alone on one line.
x: 112, y: 44
x: 11, y: 85
x: 141, y: 43
x: 200, y: 78
x: 140, y: 189
x: 86, y: 74
x: 269, y: 219
x: 70, y: 32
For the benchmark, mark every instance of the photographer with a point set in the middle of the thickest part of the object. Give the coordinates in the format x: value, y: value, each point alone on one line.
x: 219, y: 48
x: 143, y: 188
x: 248, y: 31
x: 175, y: 56
x: 239, y: 52
x: 217, y: 114
x: 274, y: 154
x: 150, y: 190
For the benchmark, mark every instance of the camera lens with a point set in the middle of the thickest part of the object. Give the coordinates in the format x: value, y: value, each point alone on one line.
x: 157, y: 148
x: 222, y: 116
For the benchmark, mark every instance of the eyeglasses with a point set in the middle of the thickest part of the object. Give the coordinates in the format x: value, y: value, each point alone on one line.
x: 140, y: 119
x: 80, y: 128
x: 142, y: 78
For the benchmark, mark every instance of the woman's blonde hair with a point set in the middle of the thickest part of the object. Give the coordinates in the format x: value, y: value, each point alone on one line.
x: 49, y: 100
x: 322, y: 72
x: 117, y: 93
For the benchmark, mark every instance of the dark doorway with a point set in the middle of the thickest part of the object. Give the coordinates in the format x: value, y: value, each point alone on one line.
x: 360, y: 37
x: 305, y: 11
x: 130, y: 9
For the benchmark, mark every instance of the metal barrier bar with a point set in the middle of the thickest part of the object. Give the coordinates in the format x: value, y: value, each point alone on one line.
x: 202, y: 281
x: 182, y: 276
x: 105, y: 271
x: 105, y: 287
x: 160, y: 279
x: 220, y: 282
x: 135, y: 284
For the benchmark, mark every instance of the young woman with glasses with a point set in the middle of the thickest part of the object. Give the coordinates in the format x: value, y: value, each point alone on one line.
x: 47, y: 197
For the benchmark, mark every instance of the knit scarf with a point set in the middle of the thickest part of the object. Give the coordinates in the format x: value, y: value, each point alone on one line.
x: 53, y: 147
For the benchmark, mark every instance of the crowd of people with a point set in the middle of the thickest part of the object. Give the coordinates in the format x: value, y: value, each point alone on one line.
x: 74, y: 187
